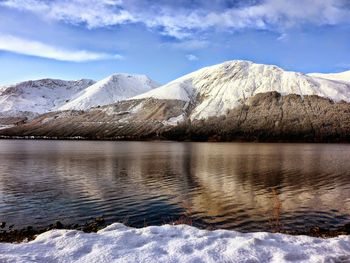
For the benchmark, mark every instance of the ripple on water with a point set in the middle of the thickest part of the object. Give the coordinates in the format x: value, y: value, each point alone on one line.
x: 242, y: 186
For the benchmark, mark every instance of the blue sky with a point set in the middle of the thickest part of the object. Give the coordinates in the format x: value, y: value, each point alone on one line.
x: 73, y: 39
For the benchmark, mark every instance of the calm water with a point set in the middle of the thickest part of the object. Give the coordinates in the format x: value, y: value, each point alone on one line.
x: 242, y: 186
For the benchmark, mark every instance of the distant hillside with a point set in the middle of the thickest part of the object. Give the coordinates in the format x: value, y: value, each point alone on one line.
x: 110, y: 90
x: 216, y: 89
x: 236, y: 100
x: 31, y: 98
x: 263, y: 117
x: 38, y: 96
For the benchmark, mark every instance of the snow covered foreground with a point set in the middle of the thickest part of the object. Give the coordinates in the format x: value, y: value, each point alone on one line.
x: 167, y: 243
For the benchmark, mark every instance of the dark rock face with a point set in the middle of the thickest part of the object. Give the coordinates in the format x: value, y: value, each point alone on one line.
x: 264, y: 117
x: 272, y: 117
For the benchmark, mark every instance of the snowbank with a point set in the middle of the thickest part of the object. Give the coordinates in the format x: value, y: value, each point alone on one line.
x: 118, y: 243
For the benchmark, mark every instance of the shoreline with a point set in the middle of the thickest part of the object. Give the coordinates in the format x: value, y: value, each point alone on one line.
x: 159, y: 139
x: 29, y: 233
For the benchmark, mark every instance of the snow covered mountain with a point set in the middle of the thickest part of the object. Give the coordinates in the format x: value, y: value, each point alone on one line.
x: 31, y: 98
x: 38, y: 96
x: 210, y: 91
x: 342, y: 76
x: 246, y: 101
x: 216, y: 89
x: 110, y: 90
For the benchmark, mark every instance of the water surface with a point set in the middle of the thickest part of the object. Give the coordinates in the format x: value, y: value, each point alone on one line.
x: 241, y: 186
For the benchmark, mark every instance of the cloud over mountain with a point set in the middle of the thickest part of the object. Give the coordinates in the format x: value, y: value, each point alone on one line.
x: 39, y: 49
x: 190, y: 17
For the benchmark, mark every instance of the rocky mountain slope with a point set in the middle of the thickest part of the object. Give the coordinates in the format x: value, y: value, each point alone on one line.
x: 263, y: 117
x: 125, y: 119
x: 219, y: 88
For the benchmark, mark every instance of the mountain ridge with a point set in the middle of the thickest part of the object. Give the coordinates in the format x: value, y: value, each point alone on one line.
x: 38, y: 96
x: 116, y: 87
x: 341, y: 76
x: 221, y: 87
x: 31, y: 98
x: 265, y: 117
x: 235, y: 100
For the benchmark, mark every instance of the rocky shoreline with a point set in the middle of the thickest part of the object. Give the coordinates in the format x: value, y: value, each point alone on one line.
x: 10, y: 235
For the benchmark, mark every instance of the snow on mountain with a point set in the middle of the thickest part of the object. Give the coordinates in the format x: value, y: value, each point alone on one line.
x: 30, y: 98
x: 342, y: 76
x: 38, y: 96
x: 210, y: 91
x: 218, y: 88
x: 110, y: 90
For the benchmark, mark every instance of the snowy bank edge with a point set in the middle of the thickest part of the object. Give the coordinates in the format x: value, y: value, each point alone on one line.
x: 175, y: 243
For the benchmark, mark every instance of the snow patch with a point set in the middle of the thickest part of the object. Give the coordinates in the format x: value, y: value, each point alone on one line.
x: 2, y: 127
x: 174, y: 120
x: 168, y: 243
x: 137, y: 108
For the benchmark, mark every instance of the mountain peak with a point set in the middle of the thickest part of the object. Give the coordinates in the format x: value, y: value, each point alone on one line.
x: 221, y: 87
x: 115, y: 77
x: 38, y: 96
x: 241, y: 64
x: 111, y: 89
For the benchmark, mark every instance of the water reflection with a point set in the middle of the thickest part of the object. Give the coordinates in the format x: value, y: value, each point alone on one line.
x: 228, y: 185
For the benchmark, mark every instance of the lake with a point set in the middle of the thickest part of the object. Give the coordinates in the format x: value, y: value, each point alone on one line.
x: 240, y: 186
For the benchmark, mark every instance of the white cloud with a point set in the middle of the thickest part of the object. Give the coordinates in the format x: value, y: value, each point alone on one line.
x: 93, y: 13
x: 189, y: 45
x: 283, y: 37
x: 38, y: 49
x: 182, y: 21
x: 191, y: 57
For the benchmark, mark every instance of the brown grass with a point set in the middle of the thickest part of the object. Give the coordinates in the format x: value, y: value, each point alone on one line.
x: 275, y: 221
x: 186, y: 218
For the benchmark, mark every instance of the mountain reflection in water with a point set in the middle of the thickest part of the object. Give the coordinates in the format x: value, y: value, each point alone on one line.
x: 241, y: 186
